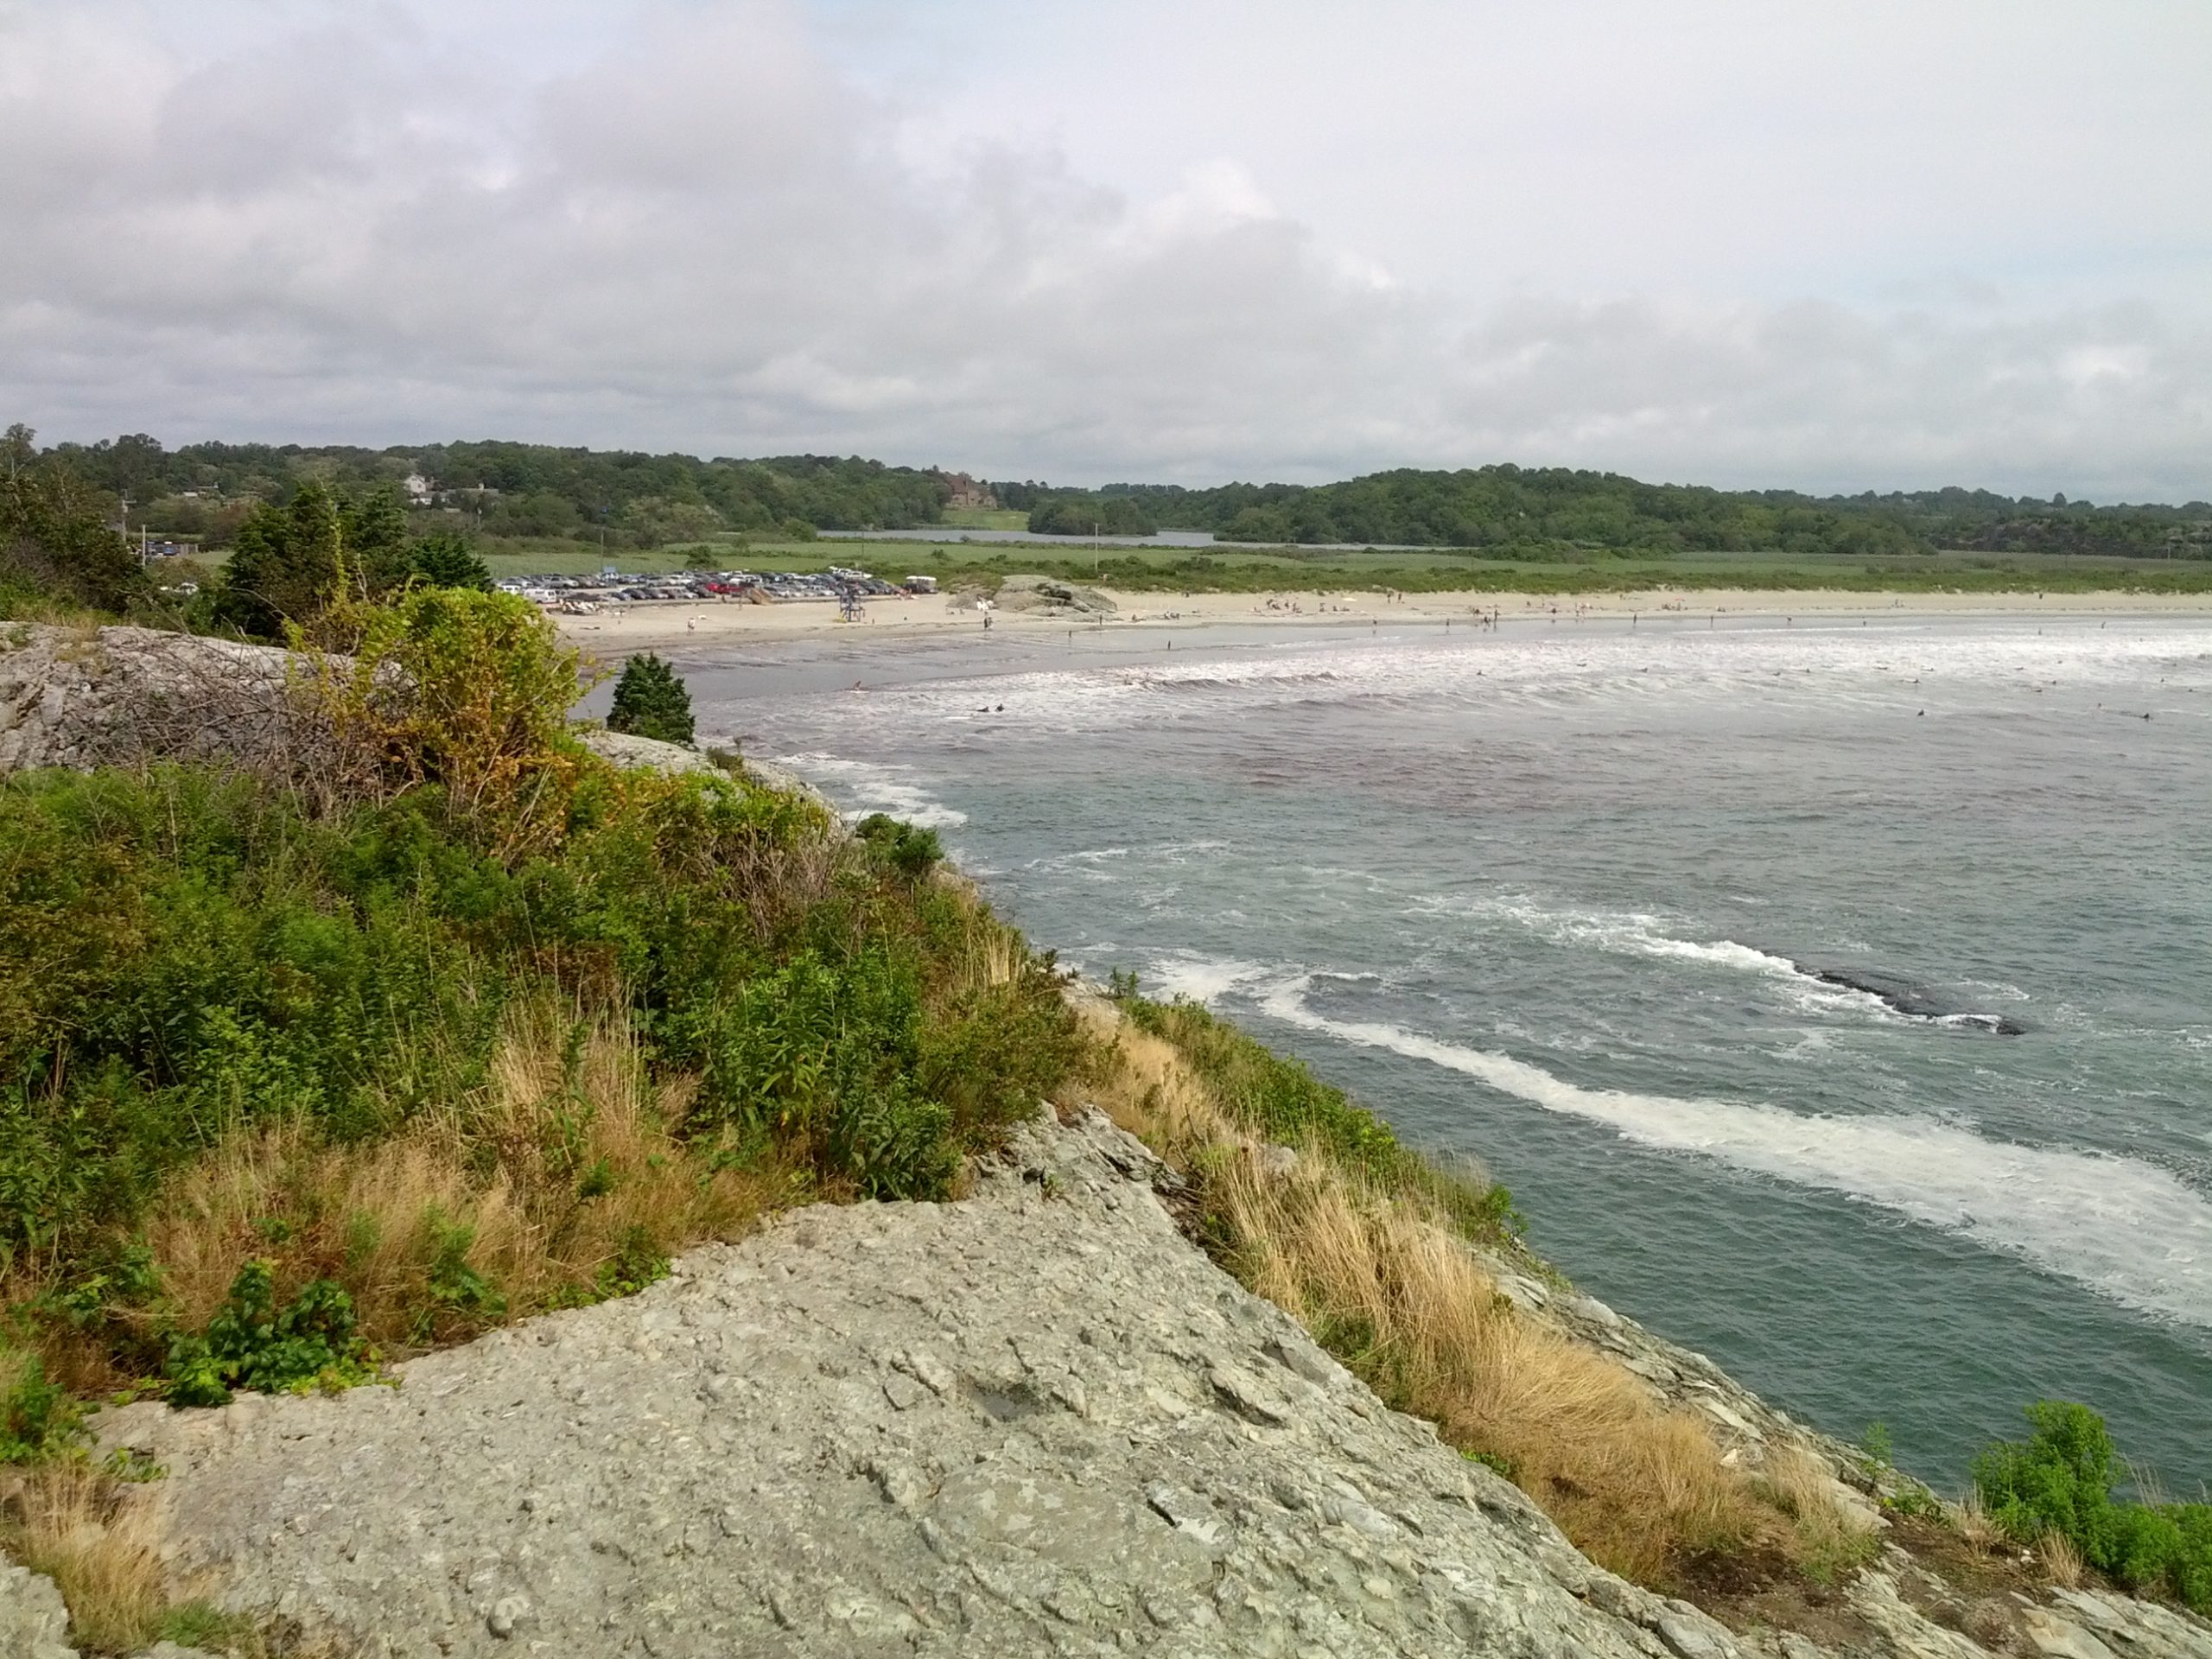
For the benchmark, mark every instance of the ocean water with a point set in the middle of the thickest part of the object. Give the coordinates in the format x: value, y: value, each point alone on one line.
x: 1562, y: 895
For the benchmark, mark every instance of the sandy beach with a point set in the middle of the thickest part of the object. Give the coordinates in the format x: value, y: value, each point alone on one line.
x: 642, y: 626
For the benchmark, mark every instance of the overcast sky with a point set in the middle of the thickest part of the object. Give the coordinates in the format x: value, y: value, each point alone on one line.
x: 1829, y: 245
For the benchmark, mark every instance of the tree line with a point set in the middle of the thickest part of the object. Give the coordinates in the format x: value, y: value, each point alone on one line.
x: 1510, y: 509
x: 60, y: 551
x: 622, y: 498
x: 630, y: 498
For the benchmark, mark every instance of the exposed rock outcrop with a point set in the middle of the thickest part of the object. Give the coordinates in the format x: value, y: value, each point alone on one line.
x: 88, y: 697
x: 623, y: 749
x: 1033, y: 1421
x: 1044, y: 596
x: 33, y: 1621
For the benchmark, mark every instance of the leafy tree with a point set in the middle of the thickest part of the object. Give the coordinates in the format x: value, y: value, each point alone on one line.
x: 650, y: 701
x: 373, y: 536
x: 1102, y: 515
x: 55, y: 542
x: 653, y: 521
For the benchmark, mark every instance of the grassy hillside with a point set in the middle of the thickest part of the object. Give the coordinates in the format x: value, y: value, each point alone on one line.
x: 300, y: 1073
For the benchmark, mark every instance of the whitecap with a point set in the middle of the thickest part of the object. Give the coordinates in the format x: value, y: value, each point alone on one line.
x: 878, y: 788
x: 1202, y: 979
x: 2127, y: 1228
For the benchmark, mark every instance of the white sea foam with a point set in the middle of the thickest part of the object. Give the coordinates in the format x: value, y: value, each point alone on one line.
x: 1202, y: 979
x: 878, y: 788
x: 2127, y: 1228
x: 1639, y: 934
x: 1837, y: 667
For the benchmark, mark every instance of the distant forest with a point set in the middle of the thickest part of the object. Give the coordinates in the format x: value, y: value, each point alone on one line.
x: 204, y: 491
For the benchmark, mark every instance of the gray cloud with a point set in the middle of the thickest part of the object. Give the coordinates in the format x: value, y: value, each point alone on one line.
x: 697, y: 229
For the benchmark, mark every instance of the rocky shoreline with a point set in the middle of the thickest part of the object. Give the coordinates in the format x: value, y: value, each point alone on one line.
x: 1036, y: 1419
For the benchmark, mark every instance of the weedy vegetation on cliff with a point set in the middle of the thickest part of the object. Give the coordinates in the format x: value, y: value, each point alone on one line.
x: 449, y: 1022
x: 1380, y: 1253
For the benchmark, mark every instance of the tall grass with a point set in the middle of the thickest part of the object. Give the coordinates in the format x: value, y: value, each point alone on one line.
x: 1370, y: 1250
x: 542, y: 1188
x: 98, y: 1542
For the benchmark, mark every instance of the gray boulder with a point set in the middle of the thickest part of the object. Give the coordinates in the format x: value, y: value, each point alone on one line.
x: 33, y: 1625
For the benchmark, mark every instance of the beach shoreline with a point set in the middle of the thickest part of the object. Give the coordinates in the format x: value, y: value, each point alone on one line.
x: 659, y: 626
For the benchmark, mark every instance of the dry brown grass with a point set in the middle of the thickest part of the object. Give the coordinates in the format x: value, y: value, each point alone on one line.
x: 100, y: 1540
x: 1975, y: 1527
x: 992, y: 953
x: 567, y: 1161
x: 2061, y: 1560
x: 1384, y: 1279
x: 96, y: 1541
x: 1833, y: 1533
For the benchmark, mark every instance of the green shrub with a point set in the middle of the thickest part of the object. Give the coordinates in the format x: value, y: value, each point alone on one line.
x: 252, y: 1344
x: 824, y: 1053
x: 2060, y: 1480
x: 467, y: 691
x: 908, y: 848
x: 650, y: 701
x: 37, y: 1417
x: 190, y: 958
x: 2191, y: 1568
x: 638, y: 1262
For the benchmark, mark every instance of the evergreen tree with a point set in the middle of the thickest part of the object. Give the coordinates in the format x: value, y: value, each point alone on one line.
x: 447, y: 561
x: 286, y: 564
x: 650, y: 701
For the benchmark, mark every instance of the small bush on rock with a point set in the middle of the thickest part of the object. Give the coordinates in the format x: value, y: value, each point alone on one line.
x: 909, y: 848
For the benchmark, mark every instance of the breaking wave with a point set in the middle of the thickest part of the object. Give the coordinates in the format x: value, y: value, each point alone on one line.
x: 876, y: 788
x: 2128, y: 1230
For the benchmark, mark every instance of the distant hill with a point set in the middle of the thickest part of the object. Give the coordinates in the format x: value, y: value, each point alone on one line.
x: 1507, y: 507
x: 627, y: 498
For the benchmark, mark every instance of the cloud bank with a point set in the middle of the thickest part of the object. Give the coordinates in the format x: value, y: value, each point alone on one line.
x: 698, y: 225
